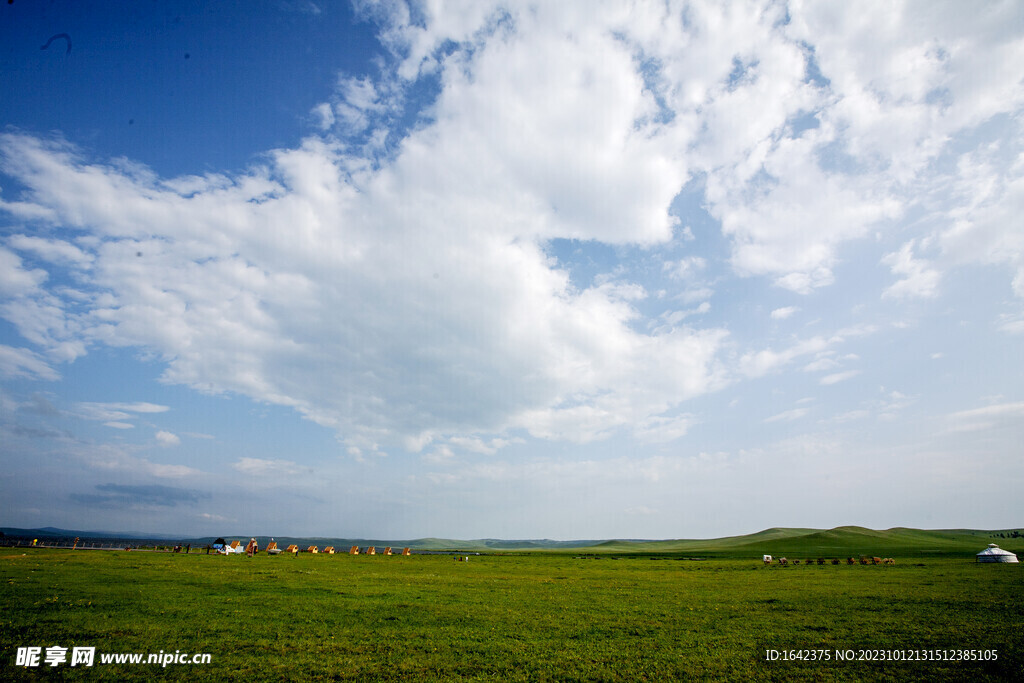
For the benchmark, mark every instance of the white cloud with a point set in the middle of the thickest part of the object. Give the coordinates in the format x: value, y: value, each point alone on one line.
x: 138, y: 407
x: 1012, y: 324
x: 122, y: 460
x: 170, y: 471
x: 985, y: 418
x: 783, y: 313
x: 199, y: 435
x: 210, y: 517
x: 259, y: 467
x: 165, y: 438
x: 987, y: 198
x: 838, y: 377
x: 498, y: 340
x: 15, y: 279
x: 823, y: 362
x: 324, y: 116
x: 116, y: 411
x: 418, y: 280
x: 24, y: 363
x: 918, y: 279
x: 52, y: 250
x: 665, y: 429
x: 675, y: 317
x: 440, y: 455
x: 688, y: 268
x: 788, y: 415
x: 757, y: 364
x: 850, y: 416
x: 477, y: 445
x: 898, y: 82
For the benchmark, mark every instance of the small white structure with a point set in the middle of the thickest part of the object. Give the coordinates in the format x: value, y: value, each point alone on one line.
x: 994, y: 553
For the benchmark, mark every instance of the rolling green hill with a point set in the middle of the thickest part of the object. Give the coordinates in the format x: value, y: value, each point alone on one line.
x: 846, y: 541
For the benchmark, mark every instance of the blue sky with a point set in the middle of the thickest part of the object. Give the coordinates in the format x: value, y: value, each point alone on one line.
x: 488, y: 269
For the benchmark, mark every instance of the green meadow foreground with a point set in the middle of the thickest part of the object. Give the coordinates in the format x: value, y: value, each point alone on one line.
x: 529, y: 617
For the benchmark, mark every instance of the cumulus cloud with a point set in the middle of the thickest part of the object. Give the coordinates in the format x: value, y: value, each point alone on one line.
x: 433, y: 326
x: 986, y: 202
x: 165, y: 438
x: 402, y: 294
x: 15, y: 279
x: 856, y: 144
x: 784, y: 312
x: 918, y: 280
x: 51, y: 250
x: 324, y: 115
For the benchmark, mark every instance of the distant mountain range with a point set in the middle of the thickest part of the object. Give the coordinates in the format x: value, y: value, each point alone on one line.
x: 796, y: 542
x: 54, y: 532
x: 305, y: 541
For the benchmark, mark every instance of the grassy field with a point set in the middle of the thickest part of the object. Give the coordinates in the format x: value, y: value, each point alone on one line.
x: 541, y: 616
x: 840, y: 542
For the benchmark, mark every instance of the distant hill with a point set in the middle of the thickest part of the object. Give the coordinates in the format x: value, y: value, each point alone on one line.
x: 53, y: 532
x: 844, y: 541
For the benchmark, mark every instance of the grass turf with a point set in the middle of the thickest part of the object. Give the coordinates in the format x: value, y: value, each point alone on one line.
x: 540, y: 616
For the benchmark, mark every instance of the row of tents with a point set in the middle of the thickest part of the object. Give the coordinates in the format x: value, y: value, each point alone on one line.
x: 223, y: 547
x: 993, y: 553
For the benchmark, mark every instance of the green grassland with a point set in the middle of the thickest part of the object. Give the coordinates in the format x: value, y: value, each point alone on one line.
x: 841, y: 542
x: 516, y: 616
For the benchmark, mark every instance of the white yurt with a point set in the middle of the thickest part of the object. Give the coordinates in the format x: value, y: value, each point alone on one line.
x: 994, y: 553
